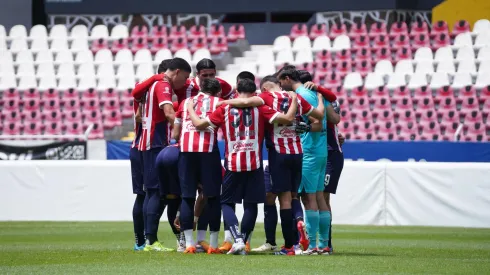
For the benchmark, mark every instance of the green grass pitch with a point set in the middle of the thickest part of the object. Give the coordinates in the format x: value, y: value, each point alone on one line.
x: 105, y: 248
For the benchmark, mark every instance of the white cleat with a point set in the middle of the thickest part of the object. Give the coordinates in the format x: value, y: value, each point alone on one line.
x: 237, y: 249
x: 265, y: 248
x: 311, y: 252
x: 298, y: 250
x: 180, y: 247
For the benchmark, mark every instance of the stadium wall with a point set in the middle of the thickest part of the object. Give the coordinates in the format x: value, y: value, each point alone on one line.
x: 369, y: 193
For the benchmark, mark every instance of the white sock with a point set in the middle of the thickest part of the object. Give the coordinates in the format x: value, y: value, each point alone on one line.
x: 189, y: 239
x: 213, y: 239
x: 182, y: 238
x: 201, y: 235
x: 228, y: 236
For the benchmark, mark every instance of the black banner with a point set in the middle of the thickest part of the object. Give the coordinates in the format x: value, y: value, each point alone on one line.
x: 69, y: 150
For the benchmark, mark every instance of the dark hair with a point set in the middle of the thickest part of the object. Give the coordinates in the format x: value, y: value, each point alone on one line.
x: 286, y: 67
x: 245, y: 75
x: 292, y: 74
x: 246, y: 86
x: 210, y: 86
x: 304, y: 76
x: 205, y: 63
x: 179, y: 63
x: 164, y: 66
x: 269, y: 78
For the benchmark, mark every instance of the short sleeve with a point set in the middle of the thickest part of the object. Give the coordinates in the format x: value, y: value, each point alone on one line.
x: 266, y: 98
x: 217, y: 117
x: 268, y: 113
x: 178, y: 114
x: 163, y: 91
x: 306, y: 107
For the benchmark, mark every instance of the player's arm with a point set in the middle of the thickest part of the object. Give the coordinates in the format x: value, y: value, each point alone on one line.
x: 199, y: 123
x: 332, y: 116
x: 226, y: 89
x: 163, y: 91
x: 309, y: 110
x: 321, y: 105
x: 138, y: 114
x: 140, y: 88
x: 177, y: 129
x: 253, y: 101
x: 326, y: 93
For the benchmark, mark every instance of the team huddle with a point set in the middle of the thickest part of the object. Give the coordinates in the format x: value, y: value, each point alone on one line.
x: 175, y: 158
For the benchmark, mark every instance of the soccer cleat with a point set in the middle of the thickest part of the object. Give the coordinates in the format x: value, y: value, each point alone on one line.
x: 303, y: 237
x: 324, y: 251
x: 298, y: 250
x: 138, y: 248
x: 214, y: 251
x: 205, y: 245
x: 313, y: 251
x: 247, y: 247
x: 237, y: 249
x: 180, y: 247
x: 225, y: 247
x: 265, y: 248
x: 190, y: 250
x: 156, y: 246
x: 286, y: 251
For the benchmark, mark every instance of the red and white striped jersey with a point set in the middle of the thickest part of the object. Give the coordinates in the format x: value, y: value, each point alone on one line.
x: 191, y: 139
x: 137, y: 125
x: 191, y: 88
x: 243, y: 130
x: 283, y: 137
x: 155, y: 127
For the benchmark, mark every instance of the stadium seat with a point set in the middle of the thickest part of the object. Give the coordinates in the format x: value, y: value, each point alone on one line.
x: 337, y: 30
x: 47, y: 82
x: 381, y: 54
x: 118, y: 45
x: 123, y: 56
x: 419, y: 28
x: 424, y: 103
x: 142, y: 31
x: 301, y: 43
x: 184, y: 54
x: 482, y: 40
x: 442, y: 40
x: 125, y: 70
x: 218, y: 45
x: 51, y: 116
x: 471, y: 116
x: 460, y: 27
x: 161, y: 55
x: 399, y: 28
x: 18, y: 31
x: 482, y: 80
x: 27, y: 82
x: 74, y: 128
x: 83, y: 57
x: 381, y: 41
x: 111, y: 119
x: 143, y: 56
x: 401, y: 91
x: 303, y: 56
x: 447, y: 103
x: 99, y: 31
x: 373, y: 81
x: 30, y: 116
x: 106, y: 82
x: 119, y: 32
x: 360, y: 42
x: 236, y: 32
x: 79, y: 44
x: 322, y: 69
x: 86, y: 70
x: 284, y: 56
x: 344, y: 68
x: 58, y: 32
x: 86, y: 83
x: 341, y: 42
x: 31, y: 94
x: 463, y: 40
x: 396, y: 80
x: 443, y: 92
x: 467, y: 91
x: 359, y: 103
x: 480, y: 26
x: 363, y: 55
x: 401, y: 41
x: 18, y: 45
x: 39, y: 44
x: 377, y: 29
x: 318, y: 30
x: 79, y: 31
x: 53, y: 128
x: 140, y: 44
x: 332, y: 80
x: 420, y: 41
x: 403, y: 53
x: 32, y: 128
x: 358, y: 29
x: 50, y: 93
x: 298, y: 30
x: 143, y: 71
x: 360, y: 116
x: 447, y: 116
x: 196, y: 32
x: 461, y: 80
x: 321, y: 43
x: 440, y: 27
x: 423, y: 54
x: 404, y: 67
x: 443, y: 54
x: 124, y: 83
x: 103, y: 56
x: 72, y: 116
x: 469, y: 103
x: 197, y: 44
x: 380, y: 92
x: 177, y: 32
x: 281, y: 43
x: 178, y: 44
x: 465, y: 54
x: 67, y: 82
x: 439, y: 79
x: 25, y: 69
x: 71, y: 104
x: 44, y: 56
x: 402, y: 103
x: 3, y: 32
x: 446, y: 66
x: 384, y: 67
x: 216, y: 31
x: 353, y: 80
x: 424, y: 67
x: 59, y: 45
x: 11, y: 128
x: 158, y: 44
x: 45, y: 69
x: 343, y: 56
x: 363, y: 68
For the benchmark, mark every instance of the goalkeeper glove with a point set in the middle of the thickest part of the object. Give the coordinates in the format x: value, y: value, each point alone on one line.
x: 302, y: 127
x: 336, y: 106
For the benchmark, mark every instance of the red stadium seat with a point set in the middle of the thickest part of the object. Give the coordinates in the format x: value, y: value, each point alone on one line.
x: 342, y: 56
x: 178, y: 43
x: 360, y: 103
x: 51, y: 116
x: 127, y: 107
x: 427, y: 137
x: 111, y: 104
x: 90, y: 104
x: 461, y: 26
x: 337, y: 30
x: 71, y: 104
x: 97, y: 132
x: 12, y: 128
x: 110, y: 93
x: 177, y: 32
x: 196, y: 32
x: 441, y: 40
x: 90, y: 93
x: 381, y: 41
x: 298, y: 30
x: 199, y: 43
x: 424, y: 103
x: 383, y: 115
x: 363, y: 67
x: 219, y: 45
x: 71, y: 93
x: 419, y: 28
x: 339, y: 91
x: 385, y: 127
x: 52, y: 128
x: 11, y: 104
x: 402, y: 103
x: 216, y: 31
x: 363, y: 55
x: 112, y: 119
x: 423, y: 91
x: 401, y: 91
x: 471, y: 116
x: 440, y: 27
x: 474, y: 130
x: 318, y: 30
x: 31, y: 93
x: 401, y: 41
x: 139, y: 44
x: 33, y: 128
x: 469, y: 103
x: 447, y: 103
x: 359, y: 115
x: 236, y: 32
x: 53, y: 104
x: 30, y: 116
x: 332, y: 80
x: 380, y: 92
x: 158, y: 44
x: 74, y: 128
x: 32, y: 104
x: 305, y: 66
x: 405, y: 136
x: 381, y: 103
x: 323, y: 56
x: 381, y: 54
x: 140, y: 32
x: 50, y: 93
x: 403, y: 53
x: 344, y: 68
x: 406, y: 127
x: 377, y: 29
x: 447, y: 116
x: 99, y: 44
x: 11, y: 115
x: 381, y: 136
x: 444, y: 92
x: 398, y: 29
x: 468, y: 91
x: 359, y: 92
x: 361, y: 42
x: 426, y: 115
x: 357, y: 30
x: 157, y: 32
x: 484, y: 93
x: 72, y: 116
x: 420, y: 41
x: 120, y: 44
x: 11, y: 93
x: 91, y: 116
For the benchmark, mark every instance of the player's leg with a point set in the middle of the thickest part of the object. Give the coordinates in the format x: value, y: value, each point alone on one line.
x: 138, y: 214
x: 188, y: 186
x: 324, y: 211
x: 270, y: 216
x: 300, y: 234
x: 334, y: 170
x: 308, y: 186
x: 201, y: 210
x: 228, y: 241
x: 173, y: 193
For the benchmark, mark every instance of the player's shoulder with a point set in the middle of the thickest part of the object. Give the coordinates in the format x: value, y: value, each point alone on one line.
x: 222, y: 81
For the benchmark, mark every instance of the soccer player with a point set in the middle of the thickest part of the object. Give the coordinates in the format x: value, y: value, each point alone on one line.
x: 314, y: 165
x: 157, y: 115
x: 199, y: 162
x: 244, y: 132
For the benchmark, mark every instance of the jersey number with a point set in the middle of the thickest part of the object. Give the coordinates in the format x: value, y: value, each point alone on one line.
x: 205, y: 107
x: 246, y: 116
x: 284, y: 105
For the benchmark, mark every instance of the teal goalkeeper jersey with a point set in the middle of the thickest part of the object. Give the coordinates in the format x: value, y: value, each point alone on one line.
x: 314, y: 143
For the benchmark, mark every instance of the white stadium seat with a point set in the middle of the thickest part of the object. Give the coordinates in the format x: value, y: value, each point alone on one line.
x: 322, y: 43
x: 425, y: 67
x: 86, y: 70
x: 465, y: 53
x: 266, y: 68
x: 182, y: 53
x: 123, y: 56
x: 38, y: 31
x: 423, y: 54
x: 3, y: 32
x: 444, y: 53
x: 59, y: 44
x: 58, y: 32
x: 461, y: 80
x: 353, y: 80
x: 446, y: 66
x: 463, y: 40
x: 7, y: 57
x: 484, y: 53
x: 47, y: 82
x: 27, y: 82
x: 67, y: 82
x: 119, y: 31
x: 439, y: 80
x: 304, y: 56
x: 161, y: 55
x: 87, y: 83
x: 251, y: 67
x: 18, y: 31
x: 281, y: 43
x: 373, y: 81
x: 79, y: 44
x: 302, y: 43
x: 79, y: 32
x: 383, y: 67
x: 417, y: 80
x: 24, y: 57
x: 404, y: 67
x: 266, y: 56
x: 143, y: 71
x: 18, y: 44
x: 484, y: 67
x: 45, y: 69
x: 199, y: 54
x: 124, y: 83
x: 481, y: 25
x: 3, y: 44
x: 39, y: 44
x: 483, y: 39
x: 26, y: 69
x: 284, y: 56
x: 45, y: 56
x: 467, y: 66
x: 482, y: 79
x: 125, y: 69
x: 396, y: 80
x: 84, y: 57
x: 103, y: 56
x: 7, y: 81
x: 66, y: 69
x: 99, y: 31
x: 106, y: 82
x: 105, y: 70
x: 7, y: 69
x: 341, y: 42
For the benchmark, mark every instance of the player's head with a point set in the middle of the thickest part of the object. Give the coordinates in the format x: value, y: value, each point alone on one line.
x: 245, y: 75
x: 270, y: 83
x: 206, y: 69
x: 178, y: 71
x: 288, y: 78
x: 246, y: 86
x: 211, y: 86
x: 286, y: 67
x: 162, y: 68
x: 304, y: 76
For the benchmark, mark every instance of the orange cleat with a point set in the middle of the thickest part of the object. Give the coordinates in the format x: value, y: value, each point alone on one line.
x: 190, y: 250
x: 225, y: 247
x: 247, y: 247
x: 205, y: 245
x: 303, y: 236
x: 213, y: 250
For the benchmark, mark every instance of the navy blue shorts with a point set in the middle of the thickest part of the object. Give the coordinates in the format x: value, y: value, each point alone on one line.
x: 135, y: 159
x: 200, y: 168
x: 285, y: 170
x: 267, y: 180
x: 243, y: 186
x: 168, y: 173
x: 335, y: 164
x: 149, y: 168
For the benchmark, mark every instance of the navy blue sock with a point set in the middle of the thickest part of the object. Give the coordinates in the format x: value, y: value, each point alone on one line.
x: 287, y: 227
x: 249, y: 218
x: 173, y: 207
x: 231, y: 220
x: 202, y: 223
x: 163, y: 205
x: 139, y: 220
x: 145, y: 209
x: 152, y: 215
x: 297, y: 210
x: 270, y: 223
x: 187, y: 213
x: 214, y: 214
x: 295, y: 231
